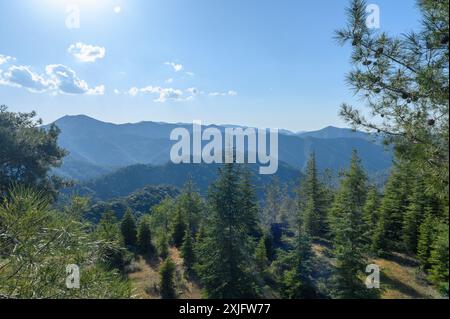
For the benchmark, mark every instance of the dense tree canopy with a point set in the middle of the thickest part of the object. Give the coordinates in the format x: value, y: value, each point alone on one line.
x: 27, y: 151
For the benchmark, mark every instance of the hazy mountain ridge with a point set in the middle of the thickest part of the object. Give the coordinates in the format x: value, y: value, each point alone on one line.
x: 97, y: 148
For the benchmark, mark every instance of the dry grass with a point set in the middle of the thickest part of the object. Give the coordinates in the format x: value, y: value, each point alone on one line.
x: 145, y: 279
x: 400, y: 275
x: 402, y: 279
x: 187, y: 289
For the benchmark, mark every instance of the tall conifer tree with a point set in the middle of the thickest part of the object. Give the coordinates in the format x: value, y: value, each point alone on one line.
x: 348, y: 229
x: 312, y: 205
x: 225, y: 266
x: 388, y: 234
x: 128, y: 228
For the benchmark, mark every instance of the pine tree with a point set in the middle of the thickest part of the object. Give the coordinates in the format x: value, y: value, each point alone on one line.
x: 272, y: 198
x: 163, y: 245
x: 312, y: 205
x: 167, y: 285
x: 249, y: 204
x: 269, y: 244
x: 37, y: 242
x: 348, y: 229
x: 144, y: 239
x: 297, y: 281
x: 201, y: 234
x: 414, y: 216
x: 190, y: 206
x: 439, y: 258
x: 179, y: 228
x: 370, y: 212
x: 128, y: 228
x: 404, y: 79
x: 224, y: 264
x: 371, y: 206
x: 187, y: 250
x: 388, y: 234
x: 111, y: 250
x: 426, y: 238
x: 261, y: 256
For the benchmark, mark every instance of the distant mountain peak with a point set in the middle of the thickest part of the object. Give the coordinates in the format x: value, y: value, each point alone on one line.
x: 76, y: 119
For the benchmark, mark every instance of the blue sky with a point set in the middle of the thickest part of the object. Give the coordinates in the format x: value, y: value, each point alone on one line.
x: 260, y: 63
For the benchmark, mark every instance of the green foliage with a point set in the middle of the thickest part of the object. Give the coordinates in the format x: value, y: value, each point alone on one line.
x: 405, y: 82
x: 159, y: 223
x: 140, y: 202
x: 27, y: 152
x: 36, y: 245
x: 224, y: 267
x: 161, y: 215
x: 418, y: 204
x: 187, y: 250
x: 167, y: 284
x: 371, y: 211
x: 111, y: 251
x: 297, y: 280
x: 269, y: 244
x: 249, y: 204
x: 388, y: 234
x: 144, y: 238
x: 128, y: 229
x: 439, y: 258
x: 163, y: 246
x: 179, y: 229
x: 201, y: 234
x: 191, y: 206
x: 272, y: 210
x: 312, y: 205
x: 426, y: 237
x: 77, y: 207
x: 348, y: 229
x: 261, y: 260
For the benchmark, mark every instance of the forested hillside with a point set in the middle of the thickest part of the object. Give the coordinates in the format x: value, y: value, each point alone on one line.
x: 321, y: 230
x: 129, y: 179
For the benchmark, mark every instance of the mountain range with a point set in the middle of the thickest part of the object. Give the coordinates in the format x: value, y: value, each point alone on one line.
x: 97, y: 148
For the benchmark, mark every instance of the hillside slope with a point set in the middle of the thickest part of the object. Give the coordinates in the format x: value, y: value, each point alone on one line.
x: 400, y: 277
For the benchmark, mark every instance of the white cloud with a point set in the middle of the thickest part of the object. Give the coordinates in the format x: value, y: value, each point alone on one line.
x: 116, y: 91
x: 117, y: 9
x: 169, y: 81
x: 229, y: 93
x: 65, y: 80
x: 176, y: 66
x: 98, y: 90
x: 190, y: 73
x: 58, y: 79
x: 23, y: 76
x: 192, y: 91
x: 133, y: 91
x: 169, y: 94
x: 164, y: 94
x: 86, y: 53
x: 5, y: 59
